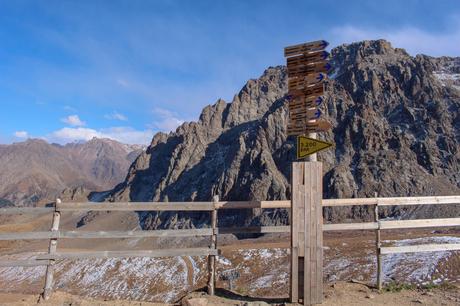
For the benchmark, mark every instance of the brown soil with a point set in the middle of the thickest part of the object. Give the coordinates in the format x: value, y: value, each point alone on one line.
x: 341, y: 293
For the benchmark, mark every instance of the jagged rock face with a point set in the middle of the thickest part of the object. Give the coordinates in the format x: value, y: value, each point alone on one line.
x: 35, y: 171
x: 396, y: 128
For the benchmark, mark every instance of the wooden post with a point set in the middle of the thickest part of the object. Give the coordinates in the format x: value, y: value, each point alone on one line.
x: 212, y: 258
x: 306, y: 234
x: 52, y: 250
x: 312, y: 157
x: 378, y: 246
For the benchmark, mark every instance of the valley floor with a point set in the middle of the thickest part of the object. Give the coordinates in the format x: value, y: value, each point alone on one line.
x: 341, y: 293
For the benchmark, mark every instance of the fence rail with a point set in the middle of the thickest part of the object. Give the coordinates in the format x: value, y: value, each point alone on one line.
x: 54, y: 234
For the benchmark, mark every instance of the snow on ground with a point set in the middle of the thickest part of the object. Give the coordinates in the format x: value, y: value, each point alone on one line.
x: 260, y: 272
x: 416, y: 267
x: 147, y: 279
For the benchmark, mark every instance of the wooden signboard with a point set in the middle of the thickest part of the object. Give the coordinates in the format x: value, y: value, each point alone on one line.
x: 308, y: 57
x: 307, y: 146
x: 305, y: 48
x: 307, y: 66
x: 301, y: 128
x: 308, y: 80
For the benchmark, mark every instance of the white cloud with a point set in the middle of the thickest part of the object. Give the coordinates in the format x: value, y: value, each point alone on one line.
x: 414, y: 40
x: 122, y: 134
x: 168, y: 121
x: 21, y: 134
x: 116, y: 116
x: 73, y: 120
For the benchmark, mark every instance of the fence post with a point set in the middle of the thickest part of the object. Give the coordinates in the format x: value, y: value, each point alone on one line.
x: 378, y: 244
x: 51, y: 250
x: 212, y: 258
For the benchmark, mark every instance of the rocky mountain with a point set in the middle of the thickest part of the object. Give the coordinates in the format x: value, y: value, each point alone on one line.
x: 35, y: 171
x: 396, y: 129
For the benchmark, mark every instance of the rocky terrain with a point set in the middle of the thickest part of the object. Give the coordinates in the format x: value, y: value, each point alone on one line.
x: 35, y: 171
x: 396, y: 129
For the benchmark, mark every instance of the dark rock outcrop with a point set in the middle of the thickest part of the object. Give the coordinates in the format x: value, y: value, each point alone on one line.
x: 395, y: 127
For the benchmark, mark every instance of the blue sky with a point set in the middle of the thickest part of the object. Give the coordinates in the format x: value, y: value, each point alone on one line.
x: 71, y: 70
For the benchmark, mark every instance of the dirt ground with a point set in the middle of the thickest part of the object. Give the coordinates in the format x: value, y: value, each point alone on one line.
x: 341, y: 293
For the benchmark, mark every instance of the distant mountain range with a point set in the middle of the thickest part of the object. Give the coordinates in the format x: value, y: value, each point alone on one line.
x: 35, y: 171
x: 396, y: 129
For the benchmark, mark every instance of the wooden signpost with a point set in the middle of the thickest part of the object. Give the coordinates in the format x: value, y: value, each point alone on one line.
x: 307, y: 68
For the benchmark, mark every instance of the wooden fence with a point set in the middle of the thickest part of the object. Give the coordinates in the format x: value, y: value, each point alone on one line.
x: 211, y: 252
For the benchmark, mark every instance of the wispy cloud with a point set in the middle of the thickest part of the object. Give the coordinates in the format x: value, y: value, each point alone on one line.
x: 122, y: 134
x: 21, y: 134
x: 116, y: 116
x: 413, y: 39
x: 73, y: 120
x: 69, y: 108
x: 168, y: 120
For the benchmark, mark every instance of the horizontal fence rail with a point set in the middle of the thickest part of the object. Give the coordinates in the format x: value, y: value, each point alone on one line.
x: 421, y: 248
x: 123, y: 254
x: 212, y: 251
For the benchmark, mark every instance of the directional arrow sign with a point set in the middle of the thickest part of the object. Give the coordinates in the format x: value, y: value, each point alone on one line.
x: 309, y: 69
x: 307, y: 146
x: 305, y: 58
x: 309, y: 80
x: 305, y: 48
x: 300, y: 104
x: 315, y: 90
x: 305, y: 114
x: 299, y: 128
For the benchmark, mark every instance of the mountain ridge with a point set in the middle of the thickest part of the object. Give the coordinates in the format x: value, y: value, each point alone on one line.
x: 35, y: 171
x: 391, y: 115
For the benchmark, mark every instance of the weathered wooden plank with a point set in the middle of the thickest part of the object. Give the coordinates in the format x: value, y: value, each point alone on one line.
x: 351, y: 226
x: 433, y: 200
x: 252, y: 204
x: 305, y: 48
x: 253, y: 229
x: 105, y: 234
x: 26, y: 210
x: 307, y: 80
x: 400, y: 224
x: 136, y: 206
x: 296, y: 219
x: 308, y: 68
x: 49, y: 277
x: 421, y: 248
x: 429, y: 200
x: 307, y: 274
x: 212, y: 258
x: 254, y: 246
x: 349, y: 202
x: 315, y: 90
x: 28, y: 235
x: 307, y: 58
x: 23, y: 263
x: 125, y: 254
x: 318, y: 174
x: 137, y: 234
x: 305, y: 115
x: 319, y: 125
x: 294, y: 280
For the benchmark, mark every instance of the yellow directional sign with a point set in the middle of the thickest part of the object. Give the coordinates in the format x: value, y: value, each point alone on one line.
x: 307, y: 146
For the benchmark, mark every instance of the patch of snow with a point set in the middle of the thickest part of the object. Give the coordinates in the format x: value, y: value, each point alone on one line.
x: 415, y: 267
x: 445, y: 78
